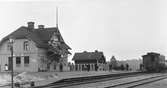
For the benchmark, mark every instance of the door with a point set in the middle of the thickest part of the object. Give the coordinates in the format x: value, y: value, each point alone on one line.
x: 61, y: 67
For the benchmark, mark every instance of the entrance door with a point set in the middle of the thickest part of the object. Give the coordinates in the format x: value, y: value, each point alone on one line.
x: 61, y: 67
x: 9, y: 63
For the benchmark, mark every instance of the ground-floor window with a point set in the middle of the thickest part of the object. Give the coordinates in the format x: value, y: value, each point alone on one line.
x: 43, y: 61
x: 18, y: 61
x: 26, y: 61
x: 55, y: 66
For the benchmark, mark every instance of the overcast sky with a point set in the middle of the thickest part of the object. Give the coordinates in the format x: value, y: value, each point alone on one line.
x: 126, y: 29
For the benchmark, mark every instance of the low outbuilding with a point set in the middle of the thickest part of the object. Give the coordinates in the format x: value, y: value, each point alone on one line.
x: 89, y: 61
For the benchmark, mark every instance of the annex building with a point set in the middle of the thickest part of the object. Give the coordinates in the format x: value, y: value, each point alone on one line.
x: 89, y: 61
x: 35, y: 50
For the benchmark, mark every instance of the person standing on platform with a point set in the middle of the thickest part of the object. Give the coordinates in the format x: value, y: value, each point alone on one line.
x: 6, y: 67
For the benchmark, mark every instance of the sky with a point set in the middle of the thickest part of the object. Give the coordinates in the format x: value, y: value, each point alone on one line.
x: 126, y: 29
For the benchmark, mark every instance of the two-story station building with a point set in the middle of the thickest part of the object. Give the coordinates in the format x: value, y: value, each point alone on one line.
x: 35, y: 49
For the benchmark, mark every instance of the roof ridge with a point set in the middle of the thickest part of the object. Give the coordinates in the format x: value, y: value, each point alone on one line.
x: 39, y: 36
x: 46, y: 28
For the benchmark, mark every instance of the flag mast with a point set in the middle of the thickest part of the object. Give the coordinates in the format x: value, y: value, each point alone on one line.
x: 57, y: 17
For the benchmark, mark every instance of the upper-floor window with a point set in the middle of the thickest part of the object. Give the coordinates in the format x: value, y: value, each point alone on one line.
x: 25, y: 45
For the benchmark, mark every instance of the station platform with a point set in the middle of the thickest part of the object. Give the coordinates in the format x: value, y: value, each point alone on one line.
x: 75, y: 74
x: 44, y: 78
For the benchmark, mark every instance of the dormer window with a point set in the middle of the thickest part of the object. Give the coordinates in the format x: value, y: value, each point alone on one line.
x: 55, y: 38
x: 25, y: 45
x: 54, y: 41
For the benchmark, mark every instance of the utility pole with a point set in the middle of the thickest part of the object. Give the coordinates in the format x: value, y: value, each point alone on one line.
x: 11, y: 41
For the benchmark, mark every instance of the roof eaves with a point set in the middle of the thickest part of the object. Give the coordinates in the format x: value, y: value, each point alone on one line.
x: 9, y: 35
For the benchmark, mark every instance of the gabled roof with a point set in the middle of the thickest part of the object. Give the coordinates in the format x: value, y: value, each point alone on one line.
x: 88, y: 56
x: 113, y: 59
x: 151, y: 53
x: 39, y: 36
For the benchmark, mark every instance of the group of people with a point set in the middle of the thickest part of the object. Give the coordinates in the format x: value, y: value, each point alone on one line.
x: 97, y: 67
x: 86, y: 67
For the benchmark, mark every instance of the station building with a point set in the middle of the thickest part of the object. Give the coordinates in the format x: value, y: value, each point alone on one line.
x: 89, y: 61
x: 35, y: 49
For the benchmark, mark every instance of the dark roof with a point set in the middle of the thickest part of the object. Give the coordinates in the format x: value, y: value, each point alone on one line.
x: 88, y: 56
x: 39, y: 36
x: 151, y: 53
x: 113, y: 58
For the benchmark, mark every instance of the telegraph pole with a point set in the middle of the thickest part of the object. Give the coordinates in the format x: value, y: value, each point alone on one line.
x: 11, y: 41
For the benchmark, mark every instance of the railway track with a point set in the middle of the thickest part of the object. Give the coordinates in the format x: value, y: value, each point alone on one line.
x: 89, y: 79
x: 138, y: 83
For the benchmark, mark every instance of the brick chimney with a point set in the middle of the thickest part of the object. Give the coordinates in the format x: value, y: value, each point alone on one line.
x: 40, y: 26
x: 96, y: 51
x: 30, y: 25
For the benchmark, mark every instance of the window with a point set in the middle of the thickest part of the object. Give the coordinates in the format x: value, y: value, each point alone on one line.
x: 42, y: 59
x: 18, y: 61
x: 54, y: 66
x: 26, y: 45
x: 8, y: 46
x: 26, y: 61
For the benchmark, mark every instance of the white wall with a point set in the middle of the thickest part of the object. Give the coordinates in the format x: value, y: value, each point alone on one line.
x: 18, y: 51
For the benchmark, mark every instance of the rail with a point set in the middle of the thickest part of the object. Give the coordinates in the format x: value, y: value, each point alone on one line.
x: 141, y: 82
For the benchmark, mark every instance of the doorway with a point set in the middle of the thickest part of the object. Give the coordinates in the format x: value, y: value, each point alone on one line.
x: 61, y: 67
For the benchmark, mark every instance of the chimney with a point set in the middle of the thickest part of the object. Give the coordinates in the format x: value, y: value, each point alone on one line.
x: 40, y: 26
x: 96, y: 51
x: 30, y: 25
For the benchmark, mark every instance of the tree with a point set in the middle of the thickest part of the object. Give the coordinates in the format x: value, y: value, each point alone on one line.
x: 122, y: 67
x: 52, y: 58
x: 113, y: 62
